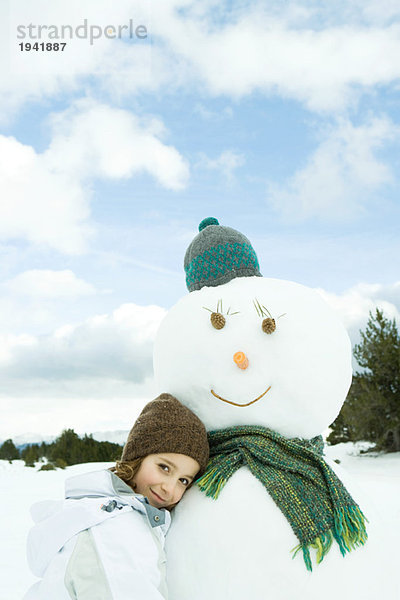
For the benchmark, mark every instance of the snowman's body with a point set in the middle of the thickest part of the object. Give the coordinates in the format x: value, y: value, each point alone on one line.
x: 239, y: 546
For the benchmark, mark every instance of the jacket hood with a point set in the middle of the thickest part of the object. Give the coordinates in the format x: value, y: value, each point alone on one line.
x: 96, y: 484
x: 58, y: 521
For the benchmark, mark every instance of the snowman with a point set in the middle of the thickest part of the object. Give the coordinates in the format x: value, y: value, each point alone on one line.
x: 266, y: 365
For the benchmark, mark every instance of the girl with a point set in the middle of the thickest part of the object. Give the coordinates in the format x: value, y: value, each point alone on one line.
x: 105, y: 540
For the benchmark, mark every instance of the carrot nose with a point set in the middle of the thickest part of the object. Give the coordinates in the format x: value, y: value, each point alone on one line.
x: 241, y: 360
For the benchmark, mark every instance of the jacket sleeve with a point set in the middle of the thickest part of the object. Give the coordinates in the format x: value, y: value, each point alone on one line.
x: 85, y: 578
x: 100, y: 569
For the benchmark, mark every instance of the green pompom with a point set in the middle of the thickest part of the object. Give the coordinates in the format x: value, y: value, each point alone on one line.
x: 208, y: 221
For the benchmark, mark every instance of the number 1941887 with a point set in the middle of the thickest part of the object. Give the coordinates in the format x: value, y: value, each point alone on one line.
x: 43, y: 46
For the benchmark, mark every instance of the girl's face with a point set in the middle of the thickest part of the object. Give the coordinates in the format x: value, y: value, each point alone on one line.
x: 163, y: 478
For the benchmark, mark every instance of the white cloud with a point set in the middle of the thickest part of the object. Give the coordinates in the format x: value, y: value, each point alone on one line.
x: 110, y: 347
x: 114, y: 405
x: 38, y: 204
x: 281, y: 55
x: 226, y: 163
x: 355, y: 304
x: 46, y: 196
x: 45, y: 283
x: 10, y: 343
x: 340, y: 12
x: 95, y: 375
x: 339, y: 178
x: 308, y: 53
x: 374, y: 12
x: 94, y: 140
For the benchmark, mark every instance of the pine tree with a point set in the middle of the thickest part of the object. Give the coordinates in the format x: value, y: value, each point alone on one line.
x: 8, y: 451
x: 372, y: 408
x: 70, y: 449
x: 30, y: 454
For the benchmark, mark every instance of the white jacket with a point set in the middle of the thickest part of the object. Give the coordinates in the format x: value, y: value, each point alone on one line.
x: 103, y: 542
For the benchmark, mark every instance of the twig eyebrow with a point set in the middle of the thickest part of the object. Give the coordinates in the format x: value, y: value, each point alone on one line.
x: 220, y: 310
x: 262, y: 311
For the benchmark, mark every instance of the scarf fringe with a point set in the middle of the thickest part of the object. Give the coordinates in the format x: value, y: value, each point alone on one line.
x: 349, y: 532
x: 212, y: 483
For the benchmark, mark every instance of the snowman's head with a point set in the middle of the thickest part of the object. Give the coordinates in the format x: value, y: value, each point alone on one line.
x: 217, y: 351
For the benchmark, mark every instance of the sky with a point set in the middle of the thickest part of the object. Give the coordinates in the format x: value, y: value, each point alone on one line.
x: 281, y: 119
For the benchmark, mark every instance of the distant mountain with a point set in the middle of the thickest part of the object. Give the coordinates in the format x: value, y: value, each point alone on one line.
x: 32, y: 438
x: 117, y: 437
x: 24, y: 439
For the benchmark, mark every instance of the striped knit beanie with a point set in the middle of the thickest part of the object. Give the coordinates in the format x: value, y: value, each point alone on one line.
x: 218, y: 254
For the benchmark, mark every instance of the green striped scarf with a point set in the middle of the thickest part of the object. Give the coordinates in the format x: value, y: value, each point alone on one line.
x: 294, y: 473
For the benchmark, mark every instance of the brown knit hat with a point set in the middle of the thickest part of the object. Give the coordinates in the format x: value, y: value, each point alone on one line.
x: 165, y: 425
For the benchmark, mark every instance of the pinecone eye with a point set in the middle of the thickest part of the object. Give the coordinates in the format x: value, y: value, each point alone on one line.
x: 268, y: 325
x: 217, y: 320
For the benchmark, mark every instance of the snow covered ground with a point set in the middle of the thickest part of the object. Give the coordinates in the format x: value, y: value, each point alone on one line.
x: 21, y: 486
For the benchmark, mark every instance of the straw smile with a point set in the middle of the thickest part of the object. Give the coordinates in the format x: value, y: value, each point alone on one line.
x: 235, y: 403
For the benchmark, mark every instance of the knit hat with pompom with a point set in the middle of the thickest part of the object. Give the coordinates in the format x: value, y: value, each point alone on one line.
x: 218, y: 254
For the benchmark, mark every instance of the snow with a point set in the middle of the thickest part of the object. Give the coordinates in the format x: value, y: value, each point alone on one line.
x: 376, y: 474
x: 21, y: 486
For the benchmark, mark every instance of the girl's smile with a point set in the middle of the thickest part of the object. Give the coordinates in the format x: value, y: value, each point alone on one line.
x: 164, y: 478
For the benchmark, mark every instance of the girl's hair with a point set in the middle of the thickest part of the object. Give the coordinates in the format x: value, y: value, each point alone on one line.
x: 127, y: 469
